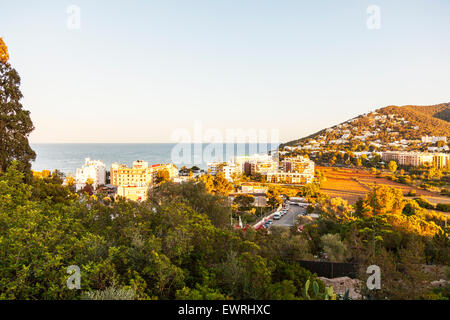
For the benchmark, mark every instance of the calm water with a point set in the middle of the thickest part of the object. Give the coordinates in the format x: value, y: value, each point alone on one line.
x: 68, y: 157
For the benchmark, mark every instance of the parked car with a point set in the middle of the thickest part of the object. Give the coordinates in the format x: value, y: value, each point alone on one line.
x: 277, y: 216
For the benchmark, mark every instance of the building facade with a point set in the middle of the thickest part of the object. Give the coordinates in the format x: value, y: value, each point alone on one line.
x: 228, y: 169
x: 132, y: 182
x: 135, y: 193
x: 417, y: 159
x: 93, y: 170
x: 441, y: 160
x: 433, y: 139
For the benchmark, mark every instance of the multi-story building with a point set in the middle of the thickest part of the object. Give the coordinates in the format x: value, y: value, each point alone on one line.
x: 296, y: 170
x: 135, y: 193
x: 414, y: 159
x: 93, y: 170
x: 433, y: 139
x: 298, y: 164
x: 132, y: 182
x: 280, y: 176
x: 214, y: 167
x: 441, y: 160
x: 138, y: 175
x: 228, y: 169
x: 241, y: 160
x: 262, y: 167
x: 252, y: 188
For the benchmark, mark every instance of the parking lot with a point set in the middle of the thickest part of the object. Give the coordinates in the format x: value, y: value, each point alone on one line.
x: 288, y: 219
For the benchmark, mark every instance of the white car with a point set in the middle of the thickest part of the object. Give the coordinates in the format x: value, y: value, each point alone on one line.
x: 277, y: 216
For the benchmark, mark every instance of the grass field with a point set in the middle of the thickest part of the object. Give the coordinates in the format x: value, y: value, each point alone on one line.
x: 351, y: 184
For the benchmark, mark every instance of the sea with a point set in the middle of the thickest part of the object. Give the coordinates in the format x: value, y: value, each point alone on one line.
x: 67, y: 157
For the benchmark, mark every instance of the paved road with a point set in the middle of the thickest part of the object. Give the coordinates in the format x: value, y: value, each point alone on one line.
x: 288, y: 219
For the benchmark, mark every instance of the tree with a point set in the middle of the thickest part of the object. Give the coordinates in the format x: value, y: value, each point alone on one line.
x: 244, y: 201
x: 392, y: 166
x: 274, y: 199
x: 15, y: 122
x: 221, y: 185
x: 70, y: 182
x: 381, y: 200
x: 88, y: 189
x: 208, y: 182
x: 334, y: 248
x: 4, y: 56
x: 162, y: 176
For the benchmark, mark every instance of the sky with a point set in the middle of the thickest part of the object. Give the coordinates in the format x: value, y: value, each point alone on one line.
x: 139, y: 71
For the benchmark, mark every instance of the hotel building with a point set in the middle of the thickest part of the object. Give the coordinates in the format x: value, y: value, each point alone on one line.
x: 133, y: 183
x: 93, y: 170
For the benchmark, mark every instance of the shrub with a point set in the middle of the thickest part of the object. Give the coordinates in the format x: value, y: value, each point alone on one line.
x: 110, y: 293
x: 445, y: 207
x: 334, y: 248
x: 424, y: 203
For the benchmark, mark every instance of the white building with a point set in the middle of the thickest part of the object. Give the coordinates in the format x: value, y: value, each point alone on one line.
x: 229, y: 169
x: 93, y: 170
x: 433, y: 139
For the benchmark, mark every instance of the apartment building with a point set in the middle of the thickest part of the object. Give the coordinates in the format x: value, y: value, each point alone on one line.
x: 433, y: 139
x: 441, y: 160
x: 289, y: 177
x: 251, y: 188
x: 228, y: 169
x: 298, y: 164
x: 294, y: 170
x: 133, y: 183
x: 93, y: 170
x: 416, y: 159
x: 214, y: 167
x: 262, y: 167
x: 135, y: 193
x: 241, y: 160
x: 140, y: 174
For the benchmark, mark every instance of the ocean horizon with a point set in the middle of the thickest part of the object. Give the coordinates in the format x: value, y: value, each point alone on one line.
x: 67, y: 157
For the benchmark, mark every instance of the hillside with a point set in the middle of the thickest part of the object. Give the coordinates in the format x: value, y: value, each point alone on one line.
x: 432, y: 120
x: 391, y: 127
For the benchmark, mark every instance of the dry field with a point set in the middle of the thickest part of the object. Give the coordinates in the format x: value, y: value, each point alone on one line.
x: 351, y: 184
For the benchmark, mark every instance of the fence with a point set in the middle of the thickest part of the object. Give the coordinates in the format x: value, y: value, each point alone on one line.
x: 330, y: 269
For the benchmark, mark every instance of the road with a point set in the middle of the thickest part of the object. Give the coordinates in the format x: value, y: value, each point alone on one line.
x: 288, y: 219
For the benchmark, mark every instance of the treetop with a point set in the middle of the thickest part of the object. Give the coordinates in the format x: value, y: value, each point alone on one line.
x: 4, y: 56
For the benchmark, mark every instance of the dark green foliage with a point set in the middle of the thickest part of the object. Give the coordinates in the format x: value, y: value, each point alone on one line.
x: 443, y: 207
x: 166, y: 248
x: 15, y: 123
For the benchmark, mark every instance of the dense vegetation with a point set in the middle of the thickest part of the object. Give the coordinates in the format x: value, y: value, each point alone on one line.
x: 178, y: 245
x: 433, y: 120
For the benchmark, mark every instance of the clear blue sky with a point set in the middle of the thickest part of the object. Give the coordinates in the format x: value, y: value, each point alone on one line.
x: 138, y: 70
